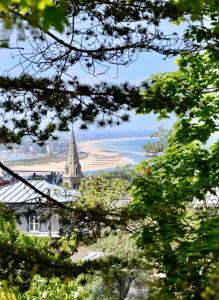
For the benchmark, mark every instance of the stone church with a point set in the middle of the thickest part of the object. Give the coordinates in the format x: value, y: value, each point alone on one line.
x: 73, y: 175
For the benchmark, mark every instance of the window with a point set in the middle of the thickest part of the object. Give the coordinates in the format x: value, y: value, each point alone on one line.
x: 33, y: 224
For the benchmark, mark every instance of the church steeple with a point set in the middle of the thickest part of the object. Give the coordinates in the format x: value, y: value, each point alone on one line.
x: 73, y: 174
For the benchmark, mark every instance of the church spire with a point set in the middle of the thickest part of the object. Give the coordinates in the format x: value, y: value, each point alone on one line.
x: 73, y: 172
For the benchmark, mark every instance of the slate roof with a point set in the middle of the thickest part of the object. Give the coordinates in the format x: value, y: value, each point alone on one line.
x: 18, y: 192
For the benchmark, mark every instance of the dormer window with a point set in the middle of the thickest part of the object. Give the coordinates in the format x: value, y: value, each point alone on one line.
x: 33, y: 224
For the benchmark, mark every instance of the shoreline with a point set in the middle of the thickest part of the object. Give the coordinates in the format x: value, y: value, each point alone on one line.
x: 97, y: 158
x: 117, y: 138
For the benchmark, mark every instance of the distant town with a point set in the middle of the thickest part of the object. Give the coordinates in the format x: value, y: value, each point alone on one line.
x: 56, y: 149
x: 33, y: 161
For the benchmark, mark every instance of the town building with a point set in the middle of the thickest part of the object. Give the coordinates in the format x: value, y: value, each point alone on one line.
x: 35, y: 216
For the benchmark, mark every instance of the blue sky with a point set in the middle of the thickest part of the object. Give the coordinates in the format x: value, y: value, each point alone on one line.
x: 146, y: 65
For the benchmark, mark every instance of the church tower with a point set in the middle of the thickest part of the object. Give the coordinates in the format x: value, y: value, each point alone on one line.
x: 73, y: 174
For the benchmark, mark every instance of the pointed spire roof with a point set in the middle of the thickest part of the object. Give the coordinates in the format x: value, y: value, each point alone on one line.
x: 73, y: 167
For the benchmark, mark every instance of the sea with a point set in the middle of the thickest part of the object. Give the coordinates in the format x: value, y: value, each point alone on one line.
x: 128, y: 147
x: 131, y: 148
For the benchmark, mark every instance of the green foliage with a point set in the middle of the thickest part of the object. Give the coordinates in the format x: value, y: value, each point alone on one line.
x: 180, y: 240
x: 101, y: 201
x: 111, y: 32
x: 102, y: 191
x: 43, y: 288
x: 6, y: 293
x: 38, y: 13
x: 27, y: 263
x: 77, y: 102
x: 52, y: 289
x: 125, y: 172
x: 212, y: 290
x: 114, y: 282
x: 197, y: 8
x: 157, y: 146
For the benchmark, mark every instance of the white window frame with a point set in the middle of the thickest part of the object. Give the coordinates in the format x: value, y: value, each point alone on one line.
x: 33, y: 224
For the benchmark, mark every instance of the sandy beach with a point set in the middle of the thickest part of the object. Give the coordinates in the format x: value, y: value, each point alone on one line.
x: 97, y: 159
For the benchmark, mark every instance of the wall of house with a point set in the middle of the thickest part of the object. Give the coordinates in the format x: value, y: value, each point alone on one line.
x: 48, y: 221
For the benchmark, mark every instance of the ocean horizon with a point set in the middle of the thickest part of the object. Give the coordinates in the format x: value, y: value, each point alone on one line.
x: 131, y: 148
x: 128, y: 147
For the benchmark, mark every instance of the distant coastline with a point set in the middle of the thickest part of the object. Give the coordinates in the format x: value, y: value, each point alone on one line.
x: 95, y: 155
x: 121, y: 138
x: 54, y: 158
